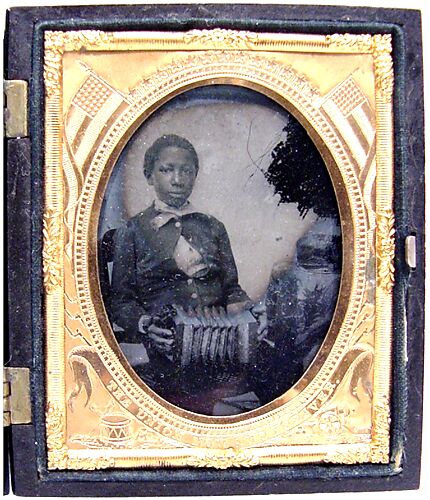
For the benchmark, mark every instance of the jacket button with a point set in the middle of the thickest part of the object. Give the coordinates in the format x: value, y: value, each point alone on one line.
x: 194, y: 295
x: 177, y: 224
x: 190, y: 281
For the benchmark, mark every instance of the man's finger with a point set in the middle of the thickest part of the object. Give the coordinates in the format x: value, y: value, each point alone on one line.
x: 160, y: 340
x: 262, y: 333
x: 161, y: 332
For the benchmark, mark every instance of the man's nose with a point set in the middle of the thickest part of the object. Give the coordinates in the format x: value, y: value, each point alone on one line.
x: 178, y: 178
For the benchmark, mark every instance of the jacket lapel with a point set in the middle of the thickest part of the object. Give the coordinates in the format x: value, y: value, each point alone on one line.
x: 162, y: 241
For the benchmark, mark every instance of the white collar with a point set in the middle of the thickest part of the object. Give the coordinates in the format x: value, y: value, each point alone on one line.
x: 185, y: 209
x: 168, y: 213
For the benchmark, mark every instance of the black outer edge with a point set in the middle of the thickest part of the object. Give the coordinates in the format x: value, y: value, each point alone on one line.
x: 25, y: 28
x: 6, y: 431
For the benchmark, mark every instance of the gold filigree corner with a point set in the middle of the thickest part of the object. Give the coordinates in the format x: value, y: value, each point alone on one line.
x: 55, y: 437
x: 58, y: 42
x: 55, y: 425
x: 384, y: 73
x: 385, y: 247
x: 58, y: 452
x: 224, y: 459
x: 87, y: 39
x: 347, y: 41
x: 351, y: 455
x: 57, y: 459
x: 60, y: 460
x: 380, y: 446
x: 222, y: 38
x: 380, y: 46
x: 96, y: 463
x: 53, y: 62
x: 52, y: 266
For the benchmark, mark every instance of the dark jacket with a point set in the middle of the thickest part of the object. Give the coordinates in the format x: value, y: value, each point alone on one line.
x: 145, y: 276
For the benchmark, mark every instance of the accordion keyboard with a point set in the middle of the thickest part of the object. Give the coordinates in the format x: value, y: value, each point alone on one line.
x: 211, y: 338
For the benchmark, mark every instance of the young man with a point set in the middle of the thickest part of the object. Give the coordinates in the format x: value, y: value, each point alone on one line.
x: 170, y: 254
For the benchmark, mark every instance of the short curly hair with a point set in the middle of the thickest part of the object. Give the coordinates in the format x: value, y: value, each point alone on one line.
x: 165, y: 141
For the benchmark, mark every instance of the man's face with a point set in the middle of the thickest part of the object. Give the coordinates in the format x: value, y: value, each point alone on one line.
x: 173, y: 176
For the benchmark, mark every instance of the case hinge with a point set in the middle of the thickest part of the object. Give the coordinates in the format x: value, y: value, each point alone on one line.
x: 15, y: 112
x: 16, y: 396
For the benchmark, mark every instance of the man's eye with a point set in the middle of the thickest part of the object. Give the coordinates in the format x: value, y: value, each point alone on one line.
x: 165, y: 170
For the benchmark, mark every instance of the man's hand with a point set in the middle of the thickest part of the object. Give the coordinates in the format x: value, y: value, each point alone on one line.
x: 161, y: 338
x: 260, y: 314
x: 238, y: 307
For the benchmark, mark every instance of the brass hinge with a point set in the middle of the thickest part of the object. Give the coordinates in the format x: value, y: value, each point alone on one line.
x: 16, y: 396
x: 15, y: 112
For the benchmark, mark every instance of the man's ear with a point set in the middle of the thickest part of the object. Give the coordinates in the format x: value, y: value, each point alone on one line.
x: 150, y: 180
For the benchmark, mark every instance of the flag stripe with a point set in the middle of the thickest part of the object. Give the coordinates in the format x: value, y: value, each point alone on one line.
x: 369, y: 160
x: 102, y: 133
x: 369, y: 113
x: 80, y: 134
x: 90, y: 134
x: 363, y: 121
x: 342, y: 124
x: 75, y: 117
x: 359, y: 134
x: 344, y: 144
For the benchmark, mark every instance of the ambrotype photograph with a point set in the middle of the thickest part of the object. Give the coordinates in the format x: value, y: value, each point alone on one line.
x: 219, y: 250
x: 221, y: 242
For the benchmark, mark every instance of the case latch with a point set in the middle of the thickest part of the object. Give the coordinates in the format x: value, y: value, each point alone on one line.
x: 411, y: 251
x: 15, y: 112
x: 16, y: 396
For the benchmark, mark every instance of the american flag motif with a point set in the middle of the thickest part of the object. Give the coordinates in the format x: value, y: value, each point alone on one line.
x: 92, y: 111
x: 348, y: 110
x: 93, y: 108
x: 92, y: 96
